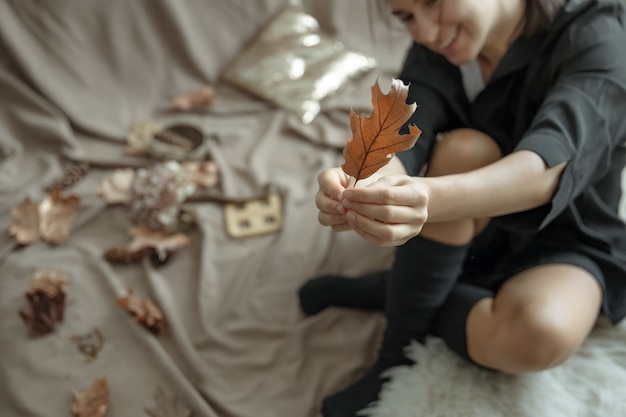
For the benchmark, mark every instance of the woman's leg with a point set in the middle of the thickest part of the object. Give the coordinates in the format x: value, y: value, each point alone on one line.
x: 537, y: 319
x: 457, y: 151
x: 424, y: 271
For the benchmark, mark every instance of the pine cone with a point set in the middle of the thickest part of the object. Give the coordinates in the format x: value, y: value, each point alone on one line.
x: 120, y: 254
x: 72, y: 174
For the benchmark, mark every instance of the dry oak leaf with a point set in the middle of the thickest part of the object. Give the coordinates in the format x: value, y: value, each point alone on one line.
x: 25, y: 226
x: 194, y: 100
x: 144, y: 311
x: 167, y: 406
x: 204, y: 174
x: 376, y: 139
x: 161, y: 242
x: 46, y: 301
x: 116, y: 188
x: 57, y: 215
x: 94, y: 402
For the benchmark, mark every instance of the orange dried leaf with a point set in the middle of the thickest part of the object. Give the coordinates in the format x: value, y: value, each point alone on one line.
x: 94, y: 402
x: 161, y: 242
x: 25, y: 226
x: 376, y: 139
x: 57, y: 215
x: 144, y: 311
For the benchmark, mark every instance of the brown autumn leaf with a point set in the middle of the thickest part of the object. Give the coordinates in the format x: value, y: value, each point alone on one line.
x: 25, y: 226
x: 93, y: 402
x: 376, y: 139
x: 46, y: 301
x: 199, y: 98
x: 162, y: 242
x: 204, y: 174
x: 167, y: 406
x: 57, y: 215
x: 144, y: 311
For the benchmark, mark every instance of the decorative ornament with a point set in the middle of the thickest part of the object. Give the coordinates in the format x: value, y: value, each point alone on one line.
x: 157, y: 194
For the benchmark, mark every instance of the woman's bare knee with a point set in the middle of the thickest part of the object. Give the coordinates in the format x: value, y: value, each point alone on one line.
x: 462, y: 150
x: 537, y: 320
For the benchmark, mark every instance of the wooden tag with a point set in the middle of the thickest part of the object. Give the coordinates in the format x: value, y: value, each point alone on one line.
x: 254, y: 217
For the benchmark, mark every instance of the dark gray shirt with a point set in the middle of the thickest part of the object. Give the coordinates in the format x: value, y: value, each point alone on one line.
x: 562, y: 95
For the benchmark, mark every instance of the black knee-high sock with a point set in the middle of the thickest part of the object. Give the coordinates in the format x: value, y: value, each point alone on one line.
x: 421, y: 278
x: 450, y: 321
x: 364, y: 293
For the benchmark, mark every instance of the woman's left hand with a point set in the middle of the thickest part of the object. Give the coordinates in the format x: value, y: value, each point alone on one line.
x: 388, y: 211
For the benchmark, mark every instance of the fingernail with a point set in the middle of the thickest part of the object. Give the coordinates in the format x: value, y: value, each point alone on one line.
x: 346, y: 203
x: 350, y: 216
x: 340, y: 209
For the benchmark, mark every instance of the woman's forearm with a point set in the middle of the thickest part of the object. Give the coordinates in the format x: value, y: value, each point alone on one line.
x: 518, y: 182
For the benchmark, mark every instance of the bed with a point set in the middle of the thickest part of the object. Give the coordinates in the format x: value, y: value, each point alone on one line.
x: 227, y: 338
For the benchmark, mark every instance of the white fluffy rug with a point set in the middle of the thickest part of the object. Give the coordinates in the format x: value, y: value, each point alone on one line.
x: 590, y: 384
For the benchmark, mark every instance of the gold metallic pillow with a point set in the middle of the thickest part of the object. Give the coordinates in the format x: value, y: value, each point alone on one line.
x: 292, y: 64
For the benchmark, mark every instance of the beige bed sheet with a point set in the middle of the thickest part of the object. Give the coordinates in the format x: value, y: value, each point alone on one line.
x: 74, y: 76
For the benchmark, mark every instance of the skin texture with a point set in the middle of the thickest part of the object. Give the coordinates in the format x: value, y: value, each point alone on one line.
x: 541, y: 315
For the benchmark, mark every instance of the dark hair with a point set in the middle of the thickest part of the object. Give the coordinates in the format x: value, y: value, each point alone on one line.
x: 539, y: 14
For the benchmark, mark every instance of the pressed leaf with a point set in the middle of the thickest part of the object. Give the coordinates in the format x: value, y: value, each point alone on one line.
x: 375, y: 139
x: 57, y: 215
x: 161, y: 242
x: 144, y: 311
x: 25, y: 225
x: 46, y: 301
x: 93, y: 402
x: 167, y: 406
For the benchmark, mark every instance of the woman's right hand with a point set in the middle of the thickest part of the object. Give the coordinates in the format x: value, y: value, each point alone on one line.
x: 332, y: 182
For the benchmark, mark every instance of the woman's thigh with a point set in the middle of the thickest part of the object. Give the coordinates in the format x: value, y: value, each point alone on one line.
x: 537, y: 319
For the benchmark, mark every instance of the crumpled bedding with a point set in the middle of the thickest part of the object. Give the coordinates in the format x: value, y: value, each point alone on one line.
x: 74, y: 77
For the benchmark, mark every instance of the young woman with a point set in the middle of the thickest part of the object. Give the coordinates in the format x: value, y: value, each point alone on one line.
x: 510, y: 244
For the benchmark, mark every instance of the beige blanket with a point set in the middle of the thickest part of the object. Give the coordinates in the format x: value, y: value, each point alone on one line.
x: 74, y: 77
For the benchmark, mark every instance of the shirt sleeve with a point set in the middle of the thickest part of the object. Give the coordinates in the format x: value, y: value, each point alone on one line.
x: 582, y: 120
x: 436, y: 86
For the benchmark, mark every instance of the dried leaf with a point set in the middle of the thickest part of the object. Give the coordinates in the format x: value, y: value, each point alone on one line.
x: 57, y: 215
x: 140, y: 136
x: 376, y: 139
x: 161, y: 242
x: 25, y: 226
x: 167, y: 406
x: 116, y: 188
x: 89, y: 344
x: 194, y: 100
x: 46, y: 301
x: 94, y: 402
x: 144, y: 311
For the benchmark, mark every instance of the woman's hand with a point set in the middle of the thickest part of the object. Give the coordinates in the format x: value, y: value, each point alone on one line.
x: 388, y: 211
x: 384, y: 210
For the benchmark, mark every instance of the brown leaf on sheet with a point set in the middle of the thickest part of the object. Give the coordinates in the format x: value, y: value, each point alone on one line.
x: 161, y: 242
x: 194, y: 100
x: 89, y: 344
x: 57, y: 215
x: 203, y: 174
x: 144, y: 311
x: 93, y: 402
x: 116, y: 188
x: 25, y: 226
x: 46, y: 301
x: 376, y: 139
x: 140, y: 135
x: 167, y: 406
